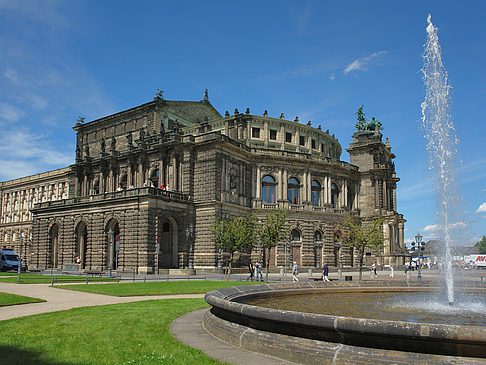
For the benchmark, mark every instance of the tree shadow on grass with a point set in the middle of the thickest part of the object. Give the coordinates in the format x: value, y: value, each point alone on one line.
x: 15, y: 356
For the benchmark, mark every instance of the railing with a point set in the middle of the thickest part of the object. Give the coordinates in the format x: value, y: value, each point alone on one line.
x: 269, y: 206
x: 126, y: 193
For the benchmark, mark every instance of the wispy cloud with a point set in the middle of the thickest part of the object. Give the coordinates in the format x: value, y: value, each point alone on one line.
x: 363, y: 63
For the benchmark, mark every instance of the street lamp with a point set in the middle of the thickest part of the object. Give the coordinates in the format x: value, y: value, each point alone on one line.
x: 420, y: 246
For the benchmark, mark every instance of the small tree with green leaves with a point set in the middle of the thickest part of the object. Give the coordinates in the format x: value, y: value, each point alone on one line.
x: 233, y: 235
x: 482, y: 245
x: 272, y: 231
x: 361, y: 236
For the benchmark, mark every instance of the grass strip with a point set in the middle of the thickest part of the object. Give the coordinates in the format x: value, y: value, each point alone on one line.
x: 46, y: 279
x: 12, y: 299
x: 130, y: 333
x: 154, y: 288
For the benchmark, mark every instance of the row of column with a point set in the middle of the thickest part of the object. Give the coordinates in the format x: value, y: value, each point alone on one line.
x: 306, y: 191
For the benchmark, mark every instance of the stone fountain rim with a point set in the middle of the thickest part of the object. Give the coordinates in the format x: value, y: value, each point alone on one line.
x: 228, y: 299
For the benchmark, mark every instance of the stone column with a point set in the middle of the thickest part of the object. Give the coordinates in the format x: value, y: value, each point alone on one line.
x: 386, y: 236
x: 303, y: 193
x: 280, y: 185
x: 259, y: 183
x: 395, y: 207
x: 285, y: 183
x: 309, y: 186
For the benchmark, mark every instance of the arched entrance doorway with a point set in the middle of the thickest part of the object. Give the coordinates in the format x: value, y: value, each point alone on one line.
x: 53, y: 260
x: 112, y: 231
x: 81, y: 243
x: 167, y: 237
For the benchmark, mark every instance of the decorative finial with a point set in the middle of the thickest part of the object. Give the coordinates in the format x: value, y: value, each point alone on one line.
x: 226, y: 114
x: 265, y: 113
x: 206, y: 95
x: 296, y: 119
x: 159, y: 94
x: 80, y: 120
x: 236, y: 111
x: 282, y: 116
x: 387, y: 143
x: 327, y: 131
x: 319, y: 127
x: 247, y: 111
x: 309, y: 123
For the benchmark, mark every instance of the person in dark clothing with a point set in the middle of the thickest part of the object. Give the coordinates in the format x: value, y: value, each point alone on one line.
x: 325, y: 273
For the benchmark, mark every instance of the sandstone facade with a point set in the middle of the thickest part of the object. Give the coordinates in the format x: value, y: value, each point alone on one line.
x: 109, y: 208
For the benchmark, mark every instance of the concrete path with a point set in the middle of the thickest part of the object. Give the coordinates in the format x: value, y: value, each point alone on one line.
x: 61, y: 299
x: 189, y: 329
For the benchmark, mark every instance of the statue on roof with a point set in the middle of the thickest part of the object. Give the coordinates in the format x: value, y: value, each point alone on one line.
x: 80, y: 120
x: 206, y: 95
x: 363, y: 125
x: 159, y: 94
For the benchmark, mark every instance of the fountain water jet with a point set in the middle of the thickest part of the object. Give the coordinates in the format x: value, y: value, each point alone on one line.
x: 441, y: 145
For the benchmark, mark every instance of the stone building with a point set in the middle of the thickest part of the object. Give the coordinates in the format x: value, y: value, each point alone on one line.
x: 148, y: 183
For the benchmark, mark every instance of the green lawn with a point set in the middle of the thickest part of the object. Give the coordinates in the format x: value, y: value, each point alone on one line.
x: 44, y: 279
x: 154, y: 288
x: 12, y: 299
x: 131, y: 333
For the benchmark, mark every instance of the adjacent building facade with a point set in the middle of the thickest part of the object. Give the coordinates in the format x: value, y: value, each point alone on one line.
x: 148, y: 183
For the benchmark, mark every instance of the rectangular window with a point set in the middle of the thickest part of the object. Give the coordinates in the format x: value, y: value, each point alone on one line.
x: 302, y: 140
x: 273, y: 135
x: 322, y: 147
x: 288, y: 137
x: 314, y: 144
x: 255, y: 132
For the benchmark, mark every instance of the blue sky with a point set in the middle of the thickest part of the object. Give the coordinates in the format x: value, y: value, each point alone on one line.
x: 319, y: 60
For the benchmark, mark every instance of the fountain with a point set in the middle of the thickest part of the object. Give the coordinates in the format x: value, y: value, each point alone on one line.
x: 441, y: 145
x: 353, y: 331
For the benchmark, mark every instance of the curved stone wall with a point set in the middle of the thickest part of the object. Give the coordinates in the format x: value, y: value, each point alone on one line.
x: 331, y: 337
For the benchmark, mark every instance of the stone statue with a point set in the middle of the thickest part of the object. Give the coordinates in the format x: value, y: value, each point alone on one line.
x: 206, y: 95
x: 78, y: 152
x: 159, y: 94
x: 142, y: 135
x: 80, y: 120
x: 129, y: 139
x: 162, y: 127
x: 363, y: 125
x: 103, y: 145
x: 113, y: 143
x: 86, y: 150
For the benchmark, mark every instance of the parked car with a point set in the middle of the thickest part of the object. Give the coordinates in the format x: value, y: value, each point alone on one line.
x: 9, y: 260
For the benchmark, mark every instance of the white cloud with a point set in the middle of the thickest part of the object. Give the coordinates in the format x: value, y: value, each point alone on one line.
x: 431, y: 228
x: 362, y: 64
x: 437, y: 227
x: 332, y: 76
x: 482, y: 208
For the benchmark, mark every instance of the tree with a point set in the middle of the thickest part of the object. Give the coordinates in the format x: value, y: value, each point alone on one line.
x: 271, y: 232
x: 482, y: 245
x: 360, y: 236
x: 233, y: 235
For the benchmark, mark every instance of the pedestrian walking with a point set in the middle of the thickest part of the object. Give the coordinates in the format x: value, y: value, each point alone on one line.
x: 259, y: 275
x: 392, y: 269
x: 251, y: 269
x: 295, y: 272
x: 373, y: 268
x: 325, y: 273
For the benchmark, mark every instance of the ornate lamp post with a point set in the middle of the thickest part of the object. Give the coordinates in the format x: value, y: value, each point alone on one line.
x: 420, y: 246
x: 190, y: 238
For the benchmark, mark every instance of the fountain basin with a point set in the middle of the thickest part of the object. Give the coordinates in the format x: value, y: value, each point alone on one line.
x: 313, y: 338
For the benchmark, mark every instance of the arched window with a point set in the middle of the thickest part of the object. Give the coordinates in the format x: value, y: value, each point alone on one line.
x: 293, y: 188
x: 295, y: 235
x: 350, y: 198
x: 268, y: 189
x: 334, y: 196
x: 315, y: 193
x: 154, y: 178
x: 317, y: 236
x: 54, y: 246
x: 80, y: 248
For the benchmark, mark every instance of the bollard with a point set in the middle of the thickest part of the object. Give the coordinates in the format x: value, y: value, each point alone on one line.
x: 87, y: 279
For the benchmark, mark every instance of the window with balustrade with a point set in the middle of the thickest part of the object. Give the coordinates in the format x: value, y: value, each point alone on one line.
x: 315, y: 193
x: 268, y: 189
x: 293, y: 190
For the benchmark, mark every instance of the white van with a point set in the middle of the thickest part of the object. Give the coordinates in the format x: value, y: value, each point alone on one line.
x: 9, y: 260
